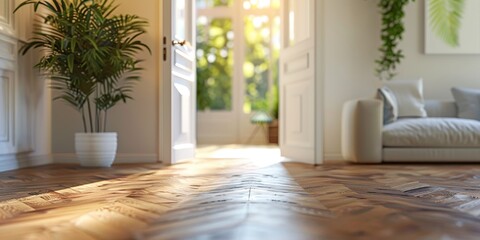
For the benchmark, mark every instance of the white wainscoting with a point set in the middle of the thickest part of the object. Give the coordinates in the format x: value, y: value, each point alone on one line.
x: 4, y: 108
x: 21, y: 96
x: 7, y: 111
x: 7, y: 21
x: 12, y: 162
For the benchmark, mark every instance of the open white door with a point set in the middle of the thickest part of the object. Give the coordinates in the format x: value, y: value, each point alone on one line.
x: 299, y: 140
x: 178, y: 94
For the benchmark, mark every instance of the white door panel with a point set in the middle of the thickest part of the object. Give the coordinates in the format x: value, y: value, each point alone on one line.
x: 299, y: 16
x: 179, y: 83
x: 298, y: 122
x: 183, y: 62
x: 182, y: 94
x: 297, y: 83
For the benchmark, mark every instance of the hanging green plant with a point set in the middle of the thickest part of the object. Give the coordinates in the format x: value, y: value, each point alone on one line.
x: 391, y: 34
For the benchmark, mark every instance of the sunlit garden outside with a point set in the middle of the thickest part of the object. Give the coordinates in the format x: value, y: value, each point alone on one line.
x: 214, y: 63
x: 216, y: 57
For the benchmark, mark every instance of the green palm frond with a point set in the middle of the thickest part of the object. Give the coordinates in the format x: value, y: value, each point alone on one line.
x: 445, y: 19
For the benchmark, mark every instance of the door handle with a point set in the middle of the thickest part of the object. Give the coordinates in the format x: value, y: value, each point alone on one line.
x: 181, y: 43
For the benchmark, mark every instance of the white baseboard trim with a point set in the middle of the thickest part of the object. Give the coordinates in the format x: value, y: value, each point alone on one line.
x: 119, y: 159
x: 333, y: 157
x: 136, y: 158
x: 15, y: 161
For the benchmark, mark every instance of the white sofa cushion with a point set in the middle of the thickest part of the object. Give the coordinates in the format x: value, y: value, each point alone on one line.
x: 409, y: 97
x: 432, y: 132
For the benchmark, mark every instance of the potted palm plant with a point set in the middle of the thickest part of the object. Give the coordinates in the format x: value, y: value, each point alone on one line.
x: 90, y: 56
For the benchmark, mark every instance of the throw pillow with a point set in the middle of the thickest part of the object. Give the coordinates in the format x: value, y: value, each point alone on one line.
x: 409, y: 96
x: 390, y: 108
x: 468, y: 102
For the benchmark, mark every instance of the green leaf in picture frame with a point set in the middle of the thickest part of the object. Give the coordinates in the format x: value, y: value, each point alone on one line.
x: 445, y: 18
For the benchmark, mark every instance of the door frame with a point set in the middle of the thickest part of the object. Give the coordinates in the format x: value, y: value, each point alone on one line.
x: 234, y: 126
x: 320, y: 115
x: 164, y: 122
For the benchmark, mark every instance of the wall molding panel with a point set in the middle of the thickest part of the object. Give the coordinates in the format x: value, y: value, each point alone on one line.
x: 15, y: 161
x: 7, y: 21
x: 20, y: 95
x: 8, y: 93
x: 7, y: 48
x: 4, y: 109
x: 6, y: 112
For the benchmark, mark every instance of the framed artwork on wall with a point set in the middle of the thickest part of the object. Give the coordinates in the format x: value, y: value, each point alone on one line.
x: 452, y: 26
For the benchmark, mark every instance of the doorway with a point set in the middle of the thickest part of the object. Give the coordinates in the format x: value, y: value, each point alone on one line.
x: 301, y: 73
x: 238, y: 49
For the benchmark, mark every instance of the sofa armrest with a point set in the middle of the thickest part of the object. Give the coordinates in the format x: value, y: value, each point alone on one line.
x: 362, y: 124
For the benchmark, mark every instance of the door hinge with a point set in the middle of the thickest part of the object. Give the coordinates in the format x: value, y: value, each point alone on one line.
x: 164, y: 48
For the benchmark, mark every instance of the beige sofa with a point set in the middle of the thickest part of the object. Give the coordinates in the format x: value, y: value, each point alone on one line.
x: 441, y: 137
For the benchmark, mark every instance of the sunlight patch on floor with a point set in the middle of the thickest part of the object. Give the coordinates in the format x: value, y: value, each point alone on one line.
x: 235, y: 151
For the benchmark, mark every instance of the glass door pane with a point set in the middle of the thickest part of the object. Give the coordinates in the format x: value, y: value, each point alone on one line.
x: 214, y: 63
x: 214, y: 3
x: 256, y: 68
x: 261, y: 4
x: 180, y: 20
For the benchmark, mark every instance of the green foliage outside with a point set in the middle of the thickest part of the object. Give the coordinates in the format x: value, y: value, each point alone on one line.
x: 89, y: 54
x: 274, y: 96
x: 260, y: 62
x: 214, y: 3
x: 214, y: 64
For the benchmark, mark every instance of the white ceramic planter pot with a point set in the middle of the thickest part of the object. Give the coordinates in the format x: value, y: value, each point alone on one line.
x: 96, y: 149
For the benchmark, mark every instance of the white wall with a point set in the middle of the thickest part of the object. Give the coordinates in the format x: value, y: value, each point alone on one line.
x: 136, y: 122
x: 352, y: 30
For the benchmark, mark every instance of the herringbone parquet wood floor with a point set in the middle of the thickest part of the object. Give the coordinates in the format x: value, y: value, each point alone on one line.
x: 241, y: 199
